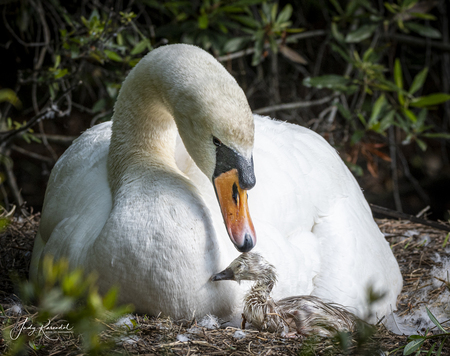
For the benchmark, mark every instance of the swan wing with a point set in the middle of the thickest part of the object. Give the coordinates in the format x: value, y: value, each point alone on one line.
x: 77, y: 201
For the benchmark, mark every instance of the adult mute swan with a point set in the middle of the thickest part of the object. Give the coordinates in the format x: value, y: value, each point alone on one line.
x: 127, y: 200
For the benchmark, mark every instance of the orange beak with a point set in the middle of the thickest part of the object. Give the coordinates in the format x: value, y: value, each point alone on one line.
x: 233, y: 203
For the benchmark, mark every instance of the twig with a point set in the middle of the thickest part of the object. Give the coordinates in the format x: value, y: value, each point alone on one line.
x: 414, y: 41
x: 295, y: 105
x: 59, y: 139
x: 11, y: 179
x: 50, y: 112
x: 399, y: 215
x: 393, y: 154
x: 248, y: 51
x: 32, y: 154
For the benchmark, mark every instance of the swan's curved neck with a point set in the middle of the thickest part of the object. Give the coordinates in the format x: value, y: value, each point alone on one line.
x: 143, y: 130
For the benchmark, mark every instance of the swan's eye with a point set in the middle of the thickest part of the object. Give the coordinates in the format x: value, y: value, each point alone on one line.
x: 217, y: 142
x: 235, y: 194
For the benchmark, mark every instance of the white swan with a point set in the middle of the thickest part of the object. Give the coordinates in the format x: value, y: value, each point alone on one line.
x: 134, y: 206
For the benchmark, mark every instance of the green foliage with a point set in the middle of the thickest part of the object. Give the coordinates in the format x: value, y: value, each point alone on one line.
x: 72, y: 296
x: 383, y: 101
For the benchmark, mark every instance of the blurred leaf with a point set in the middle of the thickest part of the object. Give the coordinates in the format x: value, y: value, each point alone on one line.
x: 141, y: 46
x: 337, y: 6
x: 236, y: 44
x: 10, y: 96
x: 413, y: 346
x: 422, y: 145
x: 423, y: 16
x: 285, y: 14
x: 386, y: 122
x: 247, y: 21
x: 203, y: 21
x: 335, y: 32
x: 360, y: 34
x: 376, y: 111
x: 423, y: 30
x: 398, y: 76
x: 112, y: 55
x: 435, y: 321
x: 432, y: 99
x: 331, y: 81
x: 437, y: 135
x: 418, y: 81
x: 409, y: 114
x: 406, y: 4
x: 292, y: 55
x: 357, y: 136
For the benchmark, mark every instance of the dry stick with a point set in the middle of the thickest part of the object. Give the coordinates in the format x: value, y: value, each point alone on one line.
x: 51, y: 111
x: 32, y: 154
x: 11, y: 179
x: 58, y: 139
x: 295, y: 105
x: 393, y: 154
x: 399, y: 215
x: 245, y: 52
x: 414, y: 41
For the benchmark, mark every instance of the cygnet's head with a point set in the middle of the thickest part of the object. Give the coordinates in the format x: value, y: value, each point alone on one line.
x: 249, y: 266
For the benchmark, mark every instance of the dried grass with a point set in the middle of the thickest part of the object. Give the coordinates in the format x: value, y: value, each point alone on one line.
x: 158, y: 336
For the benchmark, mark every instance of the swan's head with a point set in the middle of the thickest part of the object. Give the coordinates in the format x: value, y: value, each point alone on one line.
x: 216, y: 125
x: 249, y: 266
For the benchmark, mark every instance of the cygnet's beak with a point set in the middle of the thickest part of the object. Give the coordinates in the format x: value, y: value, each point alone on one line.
x: 226, y: 274
x: 233, y: 203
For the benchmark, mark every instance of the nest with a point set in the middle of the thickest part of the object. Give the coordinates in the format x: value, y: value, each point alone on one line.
x: 415, y: 246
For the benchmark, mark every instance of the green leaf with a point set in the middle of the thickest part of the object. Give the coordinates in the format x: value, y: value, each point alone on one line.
x: 432, y: 99
x: 421, y: 144
x: 390, y: 8
x: 335, y: 32
x: 273, y: 12
x: 423, y: 30
x: 203, y: 22
x: 109, y: 300
x: 10, y: 96
x: 59, y: 73
x: 140, y: 47
x: 113, y: 55
x: 406, y: 4
x: 342, y: 52
x: 360, y: 34
x: 418, y: 81
x: 285, y: 14
x: 386, y: 122
x: 409, y: 114
x: 337, y: 6
x: 344, y: 112
x: 247, y: 21
x: 398, y: 76
x: 357, y: 136
x: 437, y: 135
x: 446, y: 240
x: 235, y: 44
x: 331, y: 81
x: 435, y: 321
x: 439, y: 351
x: 413, y: 346
x: 376, y: 111
x: 423, y: 16
x: 430, y: 351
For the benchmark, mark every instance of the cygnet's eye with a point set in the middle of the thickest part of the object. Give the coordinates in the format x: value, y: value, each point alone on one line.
x: 216, y: 141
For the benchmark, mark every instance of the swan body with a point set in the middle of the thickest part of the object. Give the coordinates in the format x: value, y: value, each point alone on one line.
x: 137, y: 199
x: 303, y: 315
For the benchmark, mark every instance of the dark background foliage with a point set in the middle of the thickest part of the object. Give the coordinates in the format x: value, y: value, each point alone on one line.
x: 369, y: 76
